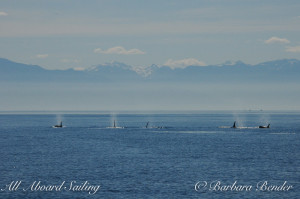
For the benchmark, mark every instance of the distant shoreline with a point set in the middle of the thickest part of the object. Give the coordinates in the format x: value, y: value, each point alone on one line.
x: 142, y: 112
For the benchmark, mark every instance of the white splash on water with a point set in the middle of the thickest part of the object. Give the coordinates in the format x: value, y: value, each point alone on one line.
x: 240, y: 120
x: 113, y: 120
x: 59, y: 118
x: 264, y: 119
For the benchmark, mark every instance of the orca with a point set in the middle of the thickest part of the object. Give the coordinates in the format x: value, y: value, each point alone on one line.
x: 59, y: 125
x: 114, y: 126
x: 264, y: 127
x: 147, y: 125
x: 234, y: 126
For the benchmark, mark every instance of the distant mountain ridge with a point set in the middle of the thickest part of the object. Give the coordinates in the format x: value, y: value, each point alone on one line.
x: 278, y: 70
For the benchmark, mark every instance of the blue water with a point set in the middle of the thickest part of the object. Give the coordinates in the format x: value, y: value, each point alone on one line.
x: 139, y: 162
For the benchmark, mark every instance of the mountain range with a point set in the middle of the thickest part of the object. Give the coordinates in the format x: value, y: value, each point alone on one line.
x: 286, y: 70
x: 116, y: 86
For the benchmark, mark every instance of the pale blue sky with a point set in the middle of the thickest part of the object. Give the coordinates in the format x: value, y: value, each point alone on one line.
x: 60, y: 34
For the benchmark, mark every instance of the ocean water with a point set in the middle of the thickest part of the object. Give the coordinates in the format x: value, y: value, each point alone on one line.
x: 173, y: 158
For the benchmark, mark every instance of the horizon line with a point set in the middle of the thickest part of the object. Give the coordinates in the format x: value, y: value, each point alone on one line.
x: 141, y: 111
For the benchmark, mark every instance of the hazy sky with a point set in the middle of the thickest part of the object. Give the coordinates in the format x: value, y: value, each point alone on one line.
x: 60, y: 34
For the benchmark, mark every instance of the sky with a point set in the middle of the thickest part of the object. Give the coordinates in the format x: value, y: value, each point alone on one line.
x: 79, y: 34
x: 61, y: 34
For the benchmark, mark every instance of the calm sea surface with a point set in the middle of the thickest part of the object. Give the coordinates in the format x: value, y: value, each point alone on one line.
x: 165, y: 160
